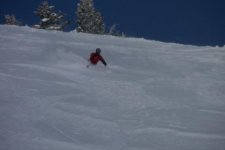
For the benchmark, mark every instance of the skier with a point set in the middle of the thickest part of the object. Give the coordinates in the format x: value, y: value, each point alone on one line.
x: 95, y: 57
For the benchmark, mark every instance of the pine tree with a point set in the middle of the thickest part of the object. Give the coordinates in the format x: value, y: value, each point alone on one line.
x: 49, y: 18
x: 115, y: 32
x: 11, y: 20
x: 88, y: 19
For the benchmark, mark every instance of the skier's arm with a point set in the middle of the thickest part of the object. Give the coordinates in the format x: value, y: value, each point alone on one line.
x: 103, y: 61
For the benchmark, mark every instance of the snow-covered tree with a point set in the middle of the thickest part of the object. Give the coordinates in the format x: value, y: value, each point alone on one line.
x: 88, y: 19
x: 115, y: 32
x: 11, y: 20
x: 49, y: 18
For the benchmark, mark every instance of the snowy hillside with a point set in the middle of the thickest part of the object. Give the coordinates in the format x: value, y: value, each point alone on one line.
x: 151, y: 96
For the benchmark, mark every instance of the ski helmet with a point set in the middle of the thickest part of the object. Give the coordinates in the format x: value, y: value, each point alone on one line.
x: 98, y: 50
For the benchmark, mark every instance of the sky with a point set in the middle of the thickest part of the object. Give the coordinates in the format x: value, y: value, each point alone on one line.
x: 195, y: 22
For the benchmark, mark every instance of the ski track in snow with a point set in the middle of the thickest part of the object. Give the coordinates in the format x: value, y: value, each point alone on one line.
x: 151, y: 96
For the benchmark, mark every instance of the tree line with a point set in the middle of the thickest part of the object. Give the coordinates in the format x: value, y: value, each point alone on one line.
x: 89, y: 20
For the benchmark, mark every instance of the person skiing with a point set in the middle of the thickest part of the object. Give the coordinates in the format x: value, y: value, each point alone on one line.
x: 95, y: 57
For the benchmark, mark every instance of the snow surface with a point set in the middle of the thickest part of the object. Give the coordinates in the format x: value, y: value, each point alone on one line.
x: 151, y: 96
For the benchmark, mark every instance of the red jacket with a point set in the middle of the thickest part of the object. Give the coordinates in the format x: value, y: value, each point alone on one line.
x: 94, y: 58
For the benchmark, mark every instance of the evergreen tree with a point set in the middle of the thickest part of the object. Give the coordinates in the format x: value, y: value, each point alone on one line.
x: 88, y: 19
x: 115, y: 32
x: 50, y: 19
x: 11, y: 20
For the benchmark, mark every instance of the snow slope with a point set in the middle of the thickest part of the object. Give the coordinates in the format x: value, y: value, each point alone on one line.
x: 151, y: 96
